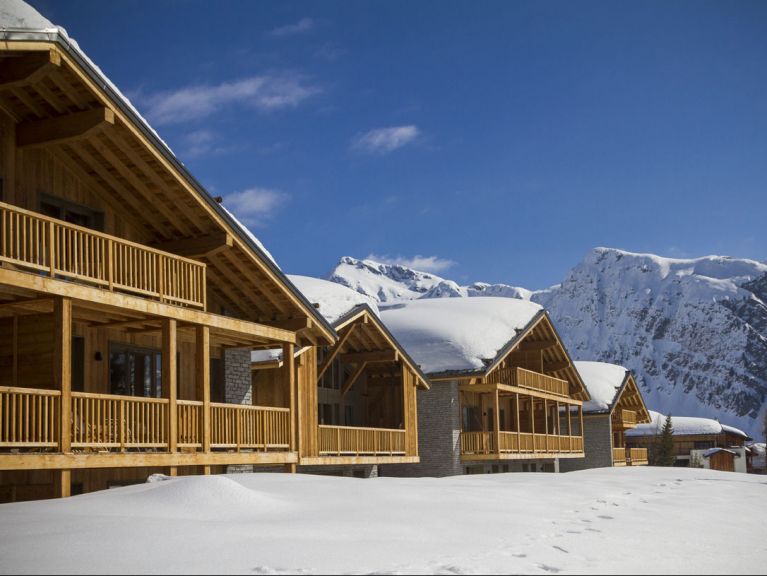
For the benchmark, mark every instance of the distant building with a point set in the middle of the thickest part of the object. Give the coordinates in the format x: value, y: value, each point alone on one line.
x: 616, y: 406
x: 505, y: 395
x: 689, y: 434
x: 733, y: 459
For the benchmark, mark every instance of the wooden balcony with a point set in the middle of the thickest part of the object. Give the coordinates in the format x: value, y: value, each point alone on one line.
x: 30, y: 421
x: 353, y: 441
x: 625, y: 419
x: 61, y: 250
x: 478, y: 444
x: 531, y: 380
x: 619, y: 457
x: 637, y: 456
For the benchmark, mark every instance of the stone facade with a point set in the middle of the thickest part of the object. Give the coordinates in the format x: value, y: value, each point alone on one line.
x: 439, y: 430
x: 598, y: 445
x: 349, y: 471
x: 237, y: 380
x: 238, y: 388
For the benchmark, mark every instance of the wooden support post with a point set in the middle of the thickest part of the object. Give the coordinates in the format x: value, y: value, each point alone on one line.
x: 63, y: 482
x: 546, y: 422
x: 170, y: 380
x: 62, y: 367
x: 202, y: 359
x: 559, y: 430
x: 519, y: 424
x: 291, y: 468
x: 405, y: 404
x: 580, y: 418
x: 569, y: 427
x: 532, y: 420
x: 497, y: 421
x: 289, y: 382
x: 206, y: 470
x: 173, y: 471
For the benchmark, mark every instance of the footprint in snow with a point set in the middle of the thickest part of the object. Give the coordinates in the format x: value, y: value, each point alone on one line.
x: 560, y: 549
x: 519, y: 555
x: 585, y: 521
x: 592, y: 530
x: 606, y: 517
x: 574, y: 532
x: 549, y: 569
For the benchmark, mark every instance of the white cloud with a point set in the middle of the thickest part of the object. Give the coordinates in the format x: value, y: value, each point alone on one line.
x: 203, y: 143
x: 385, y: 140
x: 265, y: 93
x: 433, y: 264
x: 300, y: 27
x: 255, y: 205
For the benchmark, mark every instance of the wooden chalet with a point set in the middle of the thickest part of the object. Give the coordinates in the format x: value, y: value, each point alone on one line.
x: 616, y: 405
x: 521, y: 401
x: 127, y: 294
x: 357, y: 397
x: 690, y: 435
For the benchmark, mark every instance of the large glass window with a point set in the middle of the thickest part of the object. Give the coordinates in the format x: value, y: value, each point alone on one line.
x: 71, y: 212
x: 135, y: 371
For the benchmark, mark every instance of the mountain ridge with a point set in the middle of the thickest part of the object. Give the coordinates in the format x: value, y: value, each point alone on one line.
x: 693, y: 330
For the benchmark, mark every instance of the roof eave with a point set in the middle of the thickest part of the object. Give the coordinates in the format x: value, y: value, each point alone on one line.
x: 56, y: 37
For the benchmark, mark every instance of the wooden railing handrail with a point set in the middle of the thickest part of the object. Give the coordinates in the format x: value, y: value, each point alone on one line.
x: 327, y: 426
x: 546, y: 378
x: 118, y: 397
x: 38, y: 391
x: 248, y: 407
x: 189, y: 403
x: 98, y: 234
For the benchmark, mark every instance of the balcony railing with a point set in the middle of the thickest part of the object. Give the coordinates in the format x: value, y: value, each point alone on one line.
x: 352, y: 441
x: 626, y: 418
x: 619, y: 456
x: 476, y: 443
x: 530, y: 380
x: 30, y: 419
x: 62, y: 250
x: 638, y: 456
x: 241, y: 427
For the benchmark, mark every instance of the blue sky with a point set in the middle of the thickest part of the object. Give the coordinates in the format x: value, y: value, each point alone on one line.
x: 493, y: 141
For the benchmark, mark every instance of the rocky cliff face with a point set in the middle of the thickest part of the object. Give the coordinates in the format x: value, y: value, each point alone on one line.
x: 693, y: 331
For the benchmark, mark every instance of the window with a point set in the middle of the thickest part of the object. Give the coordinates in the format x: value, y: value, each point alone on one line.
x: 472, y: 421
x: 704, y: 444
x: 71, y: 212
x: 135, y: 371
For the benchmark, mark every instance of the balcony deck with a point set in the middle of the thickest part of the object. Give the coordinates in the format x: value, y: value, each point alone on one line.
x: 58, y: 249
x: 519, y: 446
x: 127, y: 429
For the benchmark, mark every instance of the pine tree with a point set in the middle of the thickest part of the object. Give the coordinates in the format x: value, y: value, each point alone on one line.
x: 666, y: 456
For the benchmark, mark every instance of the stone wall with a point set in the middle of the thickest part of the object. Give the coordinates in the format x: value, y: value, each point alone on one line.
x: 597, y: 445
x: 237, y: 380
x: 439, y: 429
x: 238, y: 388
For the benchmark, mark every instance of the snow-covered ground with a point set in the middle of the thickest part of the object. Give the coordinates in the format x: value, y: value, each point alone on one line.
x: 647, y: 520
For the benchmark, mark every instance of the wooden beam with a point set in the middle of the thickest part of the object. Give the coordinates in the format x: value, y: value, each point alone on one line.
x: 289, y: 381
x: 24, y: 70
x: 370, y: 357
x: 335, y: 351
x: 169, y: 380
x: 63, y: 128
x: 84, y: 294
x: 62, y: 368
x: 353, y: 378
x: 30, y: 306
x: 529, y: 346
x: 199, y: 246
x: 556, y: 366
x: 202, y: 376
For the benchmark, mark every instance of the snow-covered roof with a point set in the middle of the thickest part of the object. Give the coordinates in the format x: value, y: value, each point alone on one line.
x: 603, y: 382
x: 683, y: 426
x: 711, y: 451
x: 457, y: 334
x: 245, y: 230
x: 18, y: 15
x: 335, y: 301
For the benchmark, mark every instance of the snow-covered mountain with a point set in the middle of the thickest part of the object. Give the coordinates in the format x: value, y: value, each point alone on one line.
x: 694, y: 331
